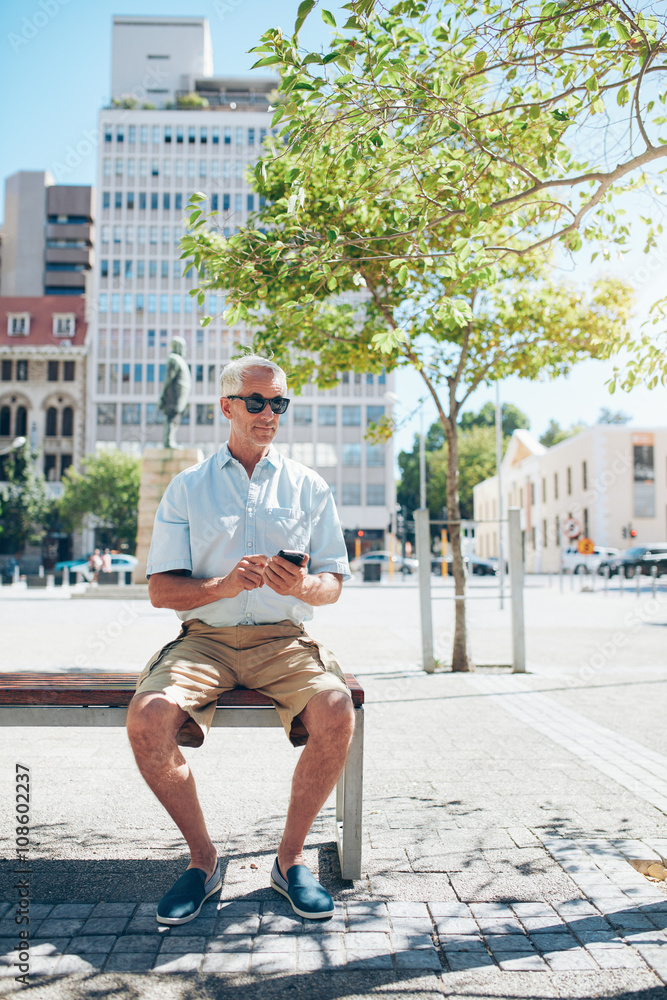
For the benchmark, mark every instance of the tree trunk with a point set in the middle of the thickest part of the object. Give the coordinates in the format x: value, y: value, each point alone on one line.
x: 460, y: 657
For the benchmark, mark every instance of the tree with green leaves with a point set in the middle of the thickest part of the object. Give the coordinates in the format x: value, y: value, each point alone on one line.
x: 24, y: 502
x: 554, y: 433
x: 511, y: 419
x: 428, y: 164
x: 106, y: 490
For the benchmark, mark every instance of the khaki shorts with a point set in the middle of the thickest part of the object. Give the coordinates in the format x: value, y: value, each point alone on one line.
x: 279, y: 660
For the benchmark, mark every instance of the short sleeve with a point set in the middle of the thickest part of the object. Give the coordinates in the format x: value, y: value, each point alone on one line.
x: 328, y: 553
x: 170, y: 544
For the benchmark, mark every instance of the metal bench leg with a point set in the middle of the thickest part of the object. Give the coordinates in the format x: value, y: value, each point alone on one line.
x: 349, y: 800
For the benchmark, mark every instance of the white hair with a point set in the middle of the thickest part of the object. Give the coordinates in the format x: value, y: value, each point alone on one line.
x: 234, y: 373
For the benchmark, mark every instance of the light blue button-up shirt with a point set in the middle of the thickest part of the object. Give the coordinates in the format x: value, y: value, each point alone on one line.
x: 212, y: 515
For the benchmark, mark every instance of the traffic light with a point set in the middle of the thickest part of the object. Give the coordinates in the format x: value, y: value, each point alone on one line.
x: 624, y: 531
x: 633, y: 532
x: 360, y: 534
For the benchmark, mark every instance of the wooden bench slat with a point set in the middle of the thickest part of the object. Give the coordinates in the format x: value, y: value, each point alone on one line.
x: 90, y: 688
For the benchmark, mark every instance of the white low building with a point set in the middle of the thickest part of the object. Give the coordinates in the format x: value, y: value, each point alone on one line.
x: 608, y: 483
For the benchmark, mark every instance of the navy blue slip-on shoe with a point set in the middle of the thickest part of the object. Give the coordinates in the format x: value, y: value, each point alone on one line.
x: 308, y: 898
x: 187, y: 896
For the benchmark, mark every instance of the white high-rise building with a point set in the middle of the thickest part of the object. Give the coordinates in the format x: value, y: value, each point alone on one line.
x: 150, y: 161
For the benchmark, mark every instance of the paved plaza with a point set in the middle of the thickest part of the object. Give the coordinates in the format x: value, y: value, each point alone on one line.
x: 501, y: 813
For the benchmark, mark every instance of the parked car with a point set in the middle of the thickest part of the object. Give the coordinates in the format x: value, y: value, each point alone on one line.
x: 119, y: 563
x: 402, y: 564
x: 475, y: 565
x: 573, y: 561
x: 638, y: 559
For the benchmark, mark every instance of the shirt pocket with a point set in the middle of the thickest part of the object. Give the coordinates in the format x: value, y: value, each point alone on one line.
x: 285, y: 528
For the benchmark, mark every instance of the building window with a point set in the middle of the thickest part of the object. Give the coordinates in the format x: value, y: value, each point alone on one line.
x: 104, y: 269
x: 103, y: 302
x: 545, y: 534
x: 68, y: 422
x: 214, y: 203
x: 153, y: 415
x: 106, y: 413
x: 326, y: 416
x: 303, y: 416
x: 64, y: 324
x: 351, y: 494
x: 21, y: 428
x: 7, y: 366
x: 238, y: 203
x: 584, y: 475
x: 227, y: 136
x: 250, y: 203
x: 375, y: 454
x: 131, y: 413
x: 152, y: 268
x: 205, y: 414
x: 556, y: 488
x: 192, y: 135
x: 21, y: 371
x: 18, y: 324
x: 374, y: 414
x: 52, y: 372
x: 50, y: 468
x: 115, y: 268
x: 118, y: 199
x: 5, y: 421
x: 142, y: 201
x: 351, y: 416
x: 325, y: 455
x: 130, y: 201
x: 557, y: 522
x: 352, y: 454
x: 178, y: 202
x: 569, y: 481
x: 106, y: 199
x: 166, y: 200
x: 375, y: 494
x: 203, y: 134
x: 51, y: 422
x: 532, y: 494
x: 155, y: 168
x: 544, y: 491
x: 586, y: 522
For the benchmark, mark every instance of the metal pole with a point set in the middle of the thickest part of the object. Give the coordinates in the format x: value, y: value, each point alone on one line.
x: 422, y: 463
x: 621, y: 579
x: 638, y: 581
x: 516, y: 591
x: 499, y: 458
x: 422, y: 538
x: 654, y: 577
x: 606, y: 579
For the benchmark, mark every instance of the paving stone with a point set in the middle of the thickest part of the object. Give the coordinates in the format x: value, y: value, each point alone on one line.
x: 138, y: 942
x: 418, y: 959
x: 248, y: 924
x: 114, y: 910
x: 654, y: 937
x: 533, y: 910
x: 273, y: 962
x: 569, y: 961
x: 368, y: 923
x: 554, y: 942
x: 412, y: 925
x: 446, y: 909
x: 66, y: 911
x: 367, y: 961
x: 456, y: 925
x: 469, y: 961
x: 615, y: 958
x: 583, y: 924
x: 494, y: 911
x: 508, y: 942
x: 610, y: 939
x: 130, y: 961
x: 176, y: 945
x: 546, y: 925
x: 407, y: 909
x: 271, y: 923
x: 43, y: 965
x: 59, y: 928
x: 461, y: 942
x: 374, y: 907
x: 68, y: 965
x: 235, y: 961
x: 630, y: 921
x: 313, y: 961
x: 275, y: 944
x: 102, y: 925
x: 145, y: 910
x: 145, y: 925
x: 520, y: 962
x: 203, y: 924
x: 229, y: 943
x: 3, y: 909
x: 320, y: 943
x: 502, y: 925
x: 655, y: 958
x: 189, y: 962
x: 96, y: 944
x: 237, y: 908
x: 334, y: 925
x: 575, y: 908
x: 409, y: 942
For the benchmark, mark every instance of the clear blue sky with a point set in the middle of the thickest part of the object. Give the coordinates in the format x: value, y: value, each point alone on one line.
x: 55, y: 82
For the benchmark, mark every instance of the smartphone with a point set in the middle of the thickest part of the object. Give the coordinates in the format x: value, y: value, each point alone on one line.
x: 293, y: 556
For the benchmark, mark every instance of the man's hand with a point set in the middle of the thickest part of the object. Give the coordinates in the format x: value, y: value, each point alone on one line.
x: 248, y: 574
x: 285, y: 578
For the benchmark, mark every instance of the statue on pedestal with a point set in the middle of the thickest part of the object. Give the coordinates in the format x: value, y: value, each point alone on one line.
x: 175, y: 393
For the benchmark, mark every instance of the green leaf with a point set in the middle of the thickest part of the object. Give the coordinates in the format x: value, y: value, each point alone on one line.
x: 402, y: 275
x: 622, y: 30
x: 205, y: 320
x: 302, y: 13
x: 480, y: 60
x: 328, y: 18
x: 332, y: 284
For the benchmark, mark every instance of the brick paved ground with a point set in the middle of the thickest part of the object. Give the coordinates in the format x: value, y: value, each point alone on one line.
x: 501, y: 813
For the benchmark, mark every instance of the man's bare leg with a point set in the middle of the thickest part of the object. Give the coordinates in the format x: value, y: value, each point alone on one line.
x: 152, y: 724
x: 329, y: 719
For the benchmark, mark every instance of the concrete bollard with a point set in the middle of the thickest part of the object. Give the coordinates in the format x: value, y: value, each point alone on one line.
x: 606, y: 579
x: 621, y: 579
x: 638, y: 582
x: 654, y: 578
x: 50, y: 581
x: 516, y: 591
x: 423, y: 540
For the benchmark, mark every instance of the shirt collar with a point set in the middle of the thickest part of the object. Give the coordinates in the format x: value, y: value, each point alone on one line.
x: 224, y: 455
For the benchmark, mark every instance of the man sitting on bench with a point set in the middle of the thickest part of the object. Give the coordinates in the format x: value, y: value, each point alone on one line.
x: 215, y: 560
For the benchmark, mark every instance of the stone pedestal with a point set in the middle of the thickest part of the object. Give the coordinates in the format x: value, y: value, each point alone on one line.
x: 158, y: 468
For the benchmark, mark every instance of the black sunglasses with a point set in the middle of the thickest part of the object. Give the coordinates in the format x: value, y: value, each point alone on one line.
x: 255, y: 404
